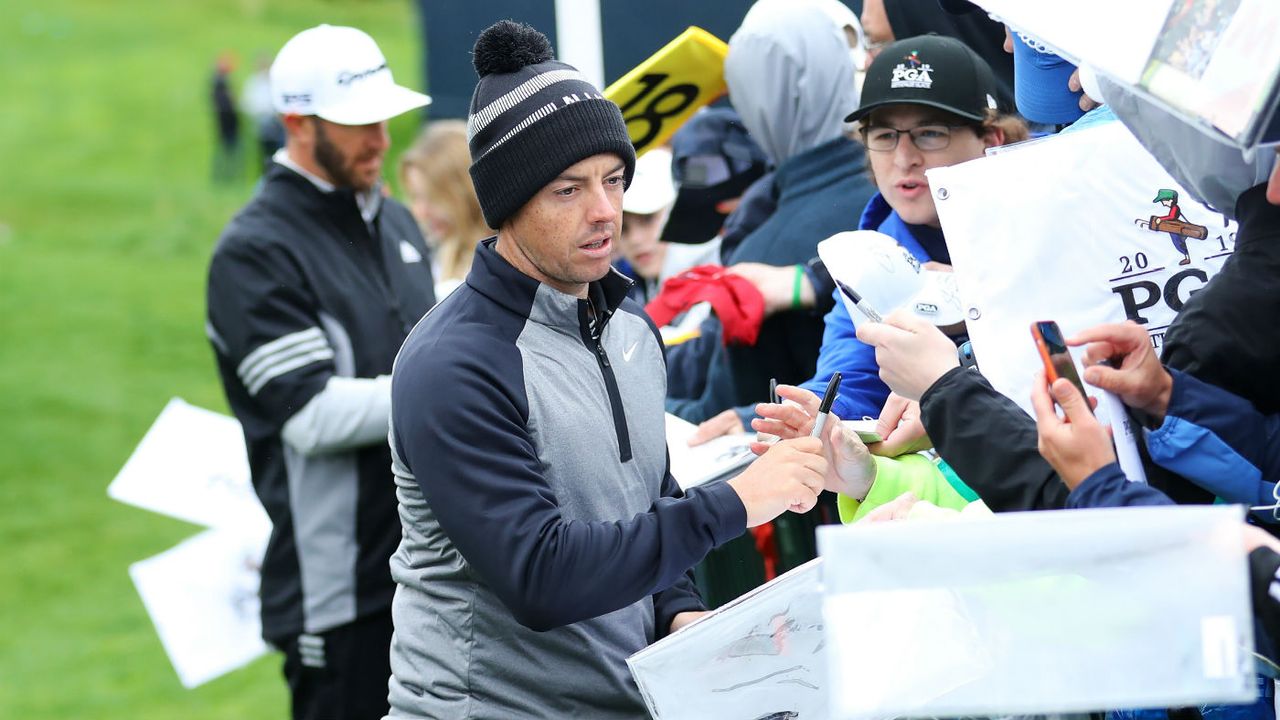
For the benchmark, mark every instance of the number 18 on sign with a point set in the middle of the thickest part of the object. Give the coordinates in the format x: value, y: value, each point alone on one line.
x: 661, y: 93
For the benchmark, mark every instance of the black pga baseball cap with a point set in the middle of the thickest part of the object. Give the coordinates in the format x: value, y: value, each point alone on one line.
x: 930, y: 70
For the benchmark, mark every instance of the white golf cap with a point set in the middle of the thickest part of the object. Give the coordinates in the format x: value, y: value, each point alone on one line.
x: 652, y: 188
x: 889, y: 278
x: 338, y: 74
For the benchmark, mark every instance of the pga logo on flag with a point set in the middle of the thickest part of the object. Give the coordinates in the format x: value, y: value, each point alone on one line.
x: 1083, y: 228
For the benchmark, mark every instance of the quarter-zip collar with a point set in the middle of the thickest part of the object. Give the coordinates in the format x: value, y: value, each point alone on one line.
x: 495, y: 278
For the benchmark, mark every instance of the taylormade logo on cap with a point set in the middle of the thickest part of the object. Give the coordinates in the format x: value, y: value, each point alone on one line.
x: 912, y: 73
x: 338, y: 74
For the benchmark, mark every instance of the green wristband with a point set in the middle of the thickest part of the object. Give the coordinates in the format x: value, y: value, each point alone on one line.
x: 795, y: 287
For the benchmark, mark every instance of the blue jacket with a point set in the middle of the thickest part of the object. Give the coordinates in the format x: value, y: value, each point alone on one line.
x: 1220, y: 442
x: 1209, y: 436
x: 862, y: 393
x: 820, y: 192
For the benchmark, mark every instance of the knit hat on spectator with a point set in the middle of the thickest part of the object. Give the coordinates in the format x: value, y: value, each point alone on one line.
x: 531, y: 117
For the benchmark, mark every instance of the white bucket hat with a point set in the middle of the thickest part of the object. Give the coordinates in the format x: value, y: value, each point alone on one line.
x: 652, y: 188
x: 889, y: 278
x: 338, y: 74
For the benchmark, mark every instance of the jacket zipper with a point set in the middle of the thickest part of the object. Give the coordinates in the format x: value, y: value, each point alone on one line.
x: 611, y: 386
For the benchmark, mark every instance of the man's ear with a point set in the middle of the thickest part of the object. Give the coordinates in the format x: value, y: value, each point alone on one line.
x: 299, y: 127
x: 993, y: 137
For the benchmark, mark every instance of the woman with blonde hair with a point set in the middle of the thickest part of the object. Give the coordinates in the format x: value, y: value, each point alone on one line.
x: 434, y: 175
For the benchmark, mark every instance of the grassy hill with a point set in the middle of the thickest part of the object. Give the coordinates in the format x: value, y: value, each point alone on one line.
x: 107, y: 218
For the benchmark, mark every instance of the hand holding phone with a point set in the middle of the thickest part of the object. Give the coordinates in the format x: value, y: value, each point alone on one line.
x: 1054, y: 354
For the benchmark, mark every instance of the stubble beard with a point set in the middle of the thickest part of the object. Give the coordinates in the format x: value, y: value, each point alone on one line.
x: 335, y: 164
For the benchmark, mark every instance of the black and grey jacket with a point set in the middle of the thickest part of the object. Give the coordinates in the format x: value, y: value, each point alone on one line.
x: 544, y: 537
x: 307, y: 302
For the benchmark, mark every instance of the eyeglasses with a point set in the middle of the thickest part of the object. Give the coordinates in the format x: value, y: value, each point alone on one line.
x: 926, y: 138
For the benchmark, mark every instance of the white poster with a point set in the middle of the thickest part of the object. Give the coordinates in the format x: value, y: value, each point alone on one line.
x: 1083, y: 228
x: 202, y: 596
x: 760, y: 656
x: 192, y: 465
x: 1045, y: 612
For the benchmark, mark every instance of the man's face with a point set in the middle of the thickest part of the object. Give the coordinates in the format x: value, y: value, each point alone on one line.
x: 641, y: 245
x: 351, y: 155
x: 432, y: 217
x: 899, y: 173
x: 564, y: 234
x: 876, y: 28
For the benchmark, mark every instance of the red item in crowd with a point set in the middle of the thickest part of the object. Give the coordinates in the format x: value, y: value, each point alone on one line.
x: 737, y: 302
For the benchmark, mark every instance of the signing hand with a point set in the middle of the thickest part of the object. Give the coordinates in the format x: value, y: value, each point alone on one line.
x: 1137, y: 376
x: 912, y: 354
x: 1076, y: 447
x: 787, y: 477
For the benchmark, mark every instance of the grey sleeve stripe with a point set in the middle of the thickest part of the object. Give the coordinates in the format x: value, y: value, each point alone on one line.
x: 480, y: 120
x: 285, y: 356
x: 275, y: 371
x: 215, y: 338
x: 270, y: 353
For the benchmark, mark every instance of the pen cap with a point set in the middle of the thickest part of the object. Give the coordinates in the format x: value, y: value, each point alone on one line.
x: 889, y: 278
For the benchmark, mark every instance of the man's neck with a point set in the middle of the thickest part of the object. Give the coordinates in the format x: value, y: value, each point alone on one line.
x: 298, y: 162
x: 510, y: 250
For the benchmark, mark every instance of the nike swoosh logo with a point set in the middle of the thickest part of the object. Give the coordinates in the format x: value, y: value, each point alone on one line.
x: 626, y: 356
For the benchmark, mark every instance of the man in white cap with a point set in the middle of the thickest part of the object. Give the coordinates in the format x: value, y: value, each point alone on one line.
x: 312, y: 288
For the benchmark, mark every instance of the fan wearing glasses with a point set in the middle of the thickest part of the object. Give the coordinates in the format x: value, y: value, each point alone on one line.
x: 927, y: 102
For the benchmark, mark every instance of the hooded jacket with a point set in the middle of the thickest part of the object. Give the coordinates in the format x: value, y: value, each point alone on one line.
x: 790, y: 78
x: 544, y: 540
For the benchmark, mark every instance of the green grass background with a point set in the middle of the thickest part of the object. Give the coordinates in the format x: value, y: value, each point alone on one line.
x: 107, y: 219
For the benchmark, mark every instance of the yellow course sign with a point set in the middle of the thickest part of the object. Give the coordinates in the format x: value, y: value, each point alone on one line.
x: 661, y: 93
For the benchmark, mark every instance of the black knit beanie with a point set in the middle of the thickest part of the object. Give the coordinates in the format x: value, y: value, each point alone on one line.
x: 531, y: 117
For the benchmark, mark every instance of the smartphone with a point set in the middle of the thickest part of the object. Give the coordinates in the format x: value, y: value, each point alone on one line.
x: 1053, y: 352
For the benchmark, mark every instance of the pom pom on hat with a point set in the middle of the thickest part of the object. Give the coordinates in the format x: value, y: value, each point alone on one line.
x: 507, y: 46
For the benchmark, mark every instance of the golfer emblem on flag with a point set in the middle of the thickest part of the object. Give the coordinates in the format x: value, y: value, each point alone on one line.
x: 1174, y: 223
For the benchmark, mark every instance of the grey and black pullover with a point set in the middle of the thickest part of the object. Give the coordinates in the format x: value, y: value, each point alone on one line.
x: 544, y: 537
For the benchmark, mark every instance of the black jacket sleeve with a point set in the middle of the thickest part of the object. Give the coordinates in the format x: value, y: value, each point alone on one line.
x: 683, y: 596
x: 1264, y: 585
x: 265, y: 329
x: 990, y: 443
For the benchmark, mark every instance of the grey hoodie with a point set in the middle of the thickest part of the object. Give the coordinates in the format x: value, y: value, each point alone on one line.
x: 790, y: 77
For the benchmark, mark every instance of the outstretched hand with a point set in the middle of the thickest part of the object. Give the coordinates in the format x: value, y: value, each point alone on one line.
x: 1076, y: 447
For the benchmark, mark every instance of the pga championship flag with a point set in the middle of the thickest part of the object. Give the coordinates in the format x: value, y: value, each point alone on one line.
x: 1083, y: 228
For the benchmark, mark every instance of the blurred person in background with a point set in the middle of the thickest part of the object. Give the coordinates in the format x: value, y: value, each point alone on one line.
x: 441, y: 196
x: 645, y: 209
x: 226, y: 157
x: 312, y: 288
x: 256, y: 102
x: 885, y: 21
x: 791, y: 79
